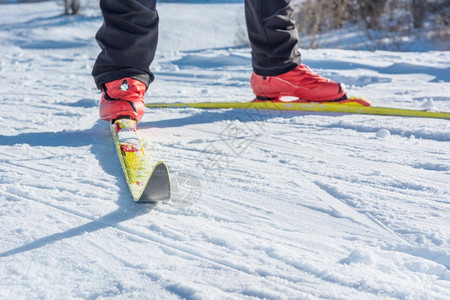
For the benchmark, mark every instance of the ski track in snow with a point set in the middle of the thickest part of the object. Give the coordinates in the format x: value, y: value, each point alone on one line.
x: 266, y: 204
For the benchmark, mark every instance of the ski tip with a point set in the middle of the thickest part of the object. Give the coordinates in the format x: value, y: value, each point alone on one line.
x: 158, y: 187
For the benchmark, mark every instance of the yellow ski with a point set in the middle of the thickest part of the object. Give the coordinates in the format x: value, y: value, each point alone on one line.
x: 350, y: 106
x: 147, y: 183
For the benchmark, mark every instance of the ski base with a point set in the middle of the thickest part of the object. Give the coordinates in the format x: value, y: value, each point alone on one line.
x: 147, y: 183
x: 158, y: 186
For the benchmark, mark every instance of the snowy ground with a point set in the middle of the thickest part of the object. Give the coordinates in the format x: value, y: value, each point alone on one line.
x: 266, y: 204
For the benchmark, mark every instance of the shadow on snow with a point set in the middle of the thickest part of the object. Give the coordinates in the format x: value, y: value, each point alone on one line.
x: 98, y: 138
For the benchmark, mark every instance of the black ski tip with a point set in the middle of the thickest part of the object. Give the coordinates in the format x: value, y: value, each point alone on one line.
x: 158, y: 187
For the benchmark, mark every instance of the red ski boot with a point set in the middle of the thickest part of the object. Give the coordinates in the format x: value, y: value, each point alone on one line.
x: 301, y: 83
x: 121, y: 98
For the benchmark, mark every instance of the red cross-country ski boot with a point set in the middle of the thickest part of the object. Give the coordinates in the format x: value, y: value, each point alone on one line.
x: 123, y: 98
x: 301, y: 83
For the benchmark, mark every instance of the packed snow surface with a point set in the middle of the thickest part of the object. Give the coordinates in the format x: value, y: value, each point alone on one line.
x: 266, y: 204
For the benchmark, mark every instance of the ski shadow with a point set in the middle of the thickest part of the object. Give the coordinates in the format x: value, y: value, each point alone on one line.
x: 111, y: 220
x: 208, y: 116
x: 99, y: 140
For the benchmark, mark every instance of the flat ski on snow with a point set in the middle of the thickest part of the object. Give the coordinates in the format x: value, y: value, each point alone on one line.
x: 352, y: 105
x: 147, y: 183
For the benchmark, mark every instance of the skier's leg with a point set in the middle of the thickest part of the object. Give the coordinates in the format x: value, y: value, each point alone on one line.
x: 273, y: 36
x: 128, y: 39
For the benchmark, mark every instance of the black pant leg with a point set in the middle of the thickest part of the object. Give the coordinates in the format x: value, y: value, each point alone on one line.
x: 128, y: 39
x: 273, y: 36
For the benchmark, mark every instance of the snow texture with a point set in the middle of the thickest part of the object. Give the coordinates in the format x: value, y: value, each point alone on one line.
x: 266, y: 204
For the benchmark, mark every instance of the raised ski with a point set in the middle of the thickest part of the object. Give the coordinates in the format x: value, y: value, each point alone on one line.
x: 147, y: 183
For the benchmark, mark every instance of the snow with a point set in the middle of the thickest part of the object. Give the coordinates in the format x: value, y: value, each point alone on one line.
x: 266, y: 204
